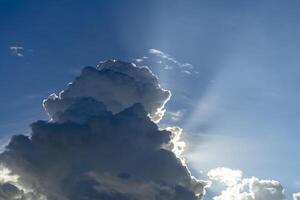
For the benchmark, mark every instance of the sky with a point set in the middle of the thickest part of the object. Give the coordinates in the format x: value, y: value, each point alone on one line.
x: 232, y: 68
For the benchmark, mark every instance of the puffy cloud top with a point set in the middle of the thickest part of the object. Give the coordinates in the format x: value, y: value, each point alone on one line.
x: 101, y: 143
x: 118, y: 85
x: 225, y: 175
x: 238, y: 188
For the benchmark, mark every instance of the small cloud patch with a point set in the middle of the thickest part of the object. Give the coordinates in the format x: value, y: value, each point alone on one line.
x: 17, y: 51
x: 165, y: 61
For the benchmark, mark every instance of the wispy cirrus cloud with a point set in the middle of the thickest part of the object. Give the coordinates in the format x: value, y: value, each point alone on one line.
x: 185, y: 67
x: 166, y: 61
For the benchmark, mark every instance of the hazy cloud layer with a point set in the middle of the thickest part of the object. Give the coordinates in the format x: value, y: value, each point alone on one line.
x: 101, y: 144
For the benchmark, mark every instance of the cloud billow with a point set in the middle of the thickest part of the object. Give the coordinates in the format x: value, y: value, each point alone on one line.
x: 101, y: 143
x: 118, y: 85
x: 239, y: 188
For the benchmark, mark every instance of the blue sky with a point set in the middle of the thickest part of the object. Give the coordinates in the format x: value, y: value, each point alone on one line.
x: 239, y: 107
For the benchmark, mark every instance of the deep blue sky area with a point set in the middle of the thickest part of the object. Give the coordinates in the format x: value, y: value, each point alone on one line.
x: 239, y: 108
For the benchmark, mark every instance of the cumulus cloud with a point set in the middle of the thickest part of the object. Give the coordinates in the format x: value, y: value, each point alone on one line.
x: 118, y: 85
x: 16, y: 50
x: 296, y: 196
x: 225, y: 175
x: 101, y: 143
x: 239, y: 188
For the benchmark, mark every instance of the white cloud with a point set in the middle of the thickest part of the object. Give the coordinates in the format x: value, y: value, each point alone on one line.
x: 238, y: 188
x: 296, y: 196
x: 139, y: 60
x: 166, y: 61
x: 225, y: 175
x: 16, y: 50
x: 167, y: 57
x: 164, y: 55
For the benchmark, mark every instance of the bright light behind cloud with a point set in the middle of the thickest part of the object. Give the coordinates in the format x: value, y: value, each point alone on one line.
x: 13, y: 189
x: 178, y: 145
x: 7, y: 176
x: 246, y: 116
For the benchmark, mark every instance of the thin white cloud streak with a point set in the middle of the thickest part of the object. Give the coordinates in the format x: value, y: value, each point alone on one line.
x: 166, y: 61
x: 186, y: 66
x: 164, y: 55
